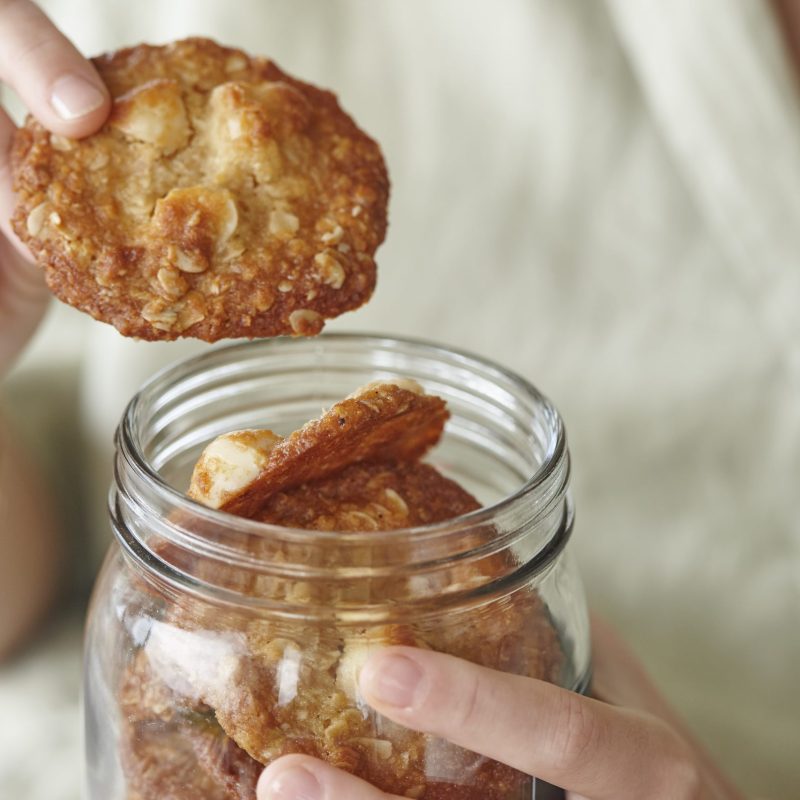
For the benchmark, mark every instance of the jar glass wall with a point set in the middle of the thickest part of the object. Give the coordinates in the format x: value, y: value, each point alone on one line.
x: 216, y: 644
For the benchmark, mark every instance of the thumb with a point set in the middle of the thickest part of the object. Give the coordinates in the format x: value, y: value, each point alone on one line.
x: 59, y: 86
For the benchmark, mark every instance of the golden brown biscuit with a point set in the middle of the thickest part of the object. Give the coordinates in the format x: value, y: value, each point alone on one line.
x: 161, y: 763
x: 223, y: 198
x: 142, y: 696
x: 172, y: 746
x: 226, y: 763
x: 381, y: 421
x: 374, y: 496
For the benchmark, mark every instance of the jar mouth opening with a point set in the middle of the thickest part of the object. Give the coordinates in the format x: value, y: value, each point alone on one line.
x: 537, y: 494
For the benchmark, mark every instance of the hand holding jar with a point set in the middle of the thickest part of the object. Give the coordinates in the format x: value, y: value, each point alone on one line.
x: 212, y: 656
x: 630, y: 746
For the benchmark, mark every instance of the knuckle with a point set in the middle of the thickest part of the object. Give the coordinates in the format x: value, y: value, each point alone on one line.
x: 576, y: 734
x: 40, y: 48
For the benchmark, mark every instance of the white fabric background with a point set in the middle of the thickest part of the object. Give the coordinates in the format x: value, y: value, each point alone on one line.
x: 604, y: 197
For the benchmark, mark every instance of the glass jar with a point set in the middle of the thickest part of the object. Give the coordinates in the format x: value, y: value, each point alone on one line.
x: 216, y: 644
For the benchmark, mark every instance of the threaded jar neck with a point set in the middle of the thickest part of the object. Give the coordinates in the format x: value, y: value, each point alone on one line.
x: 504, y: 442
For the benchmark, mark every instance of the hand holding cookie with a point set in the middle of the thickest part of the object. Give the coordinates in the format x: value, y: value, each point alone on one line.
x: 65, y: 94
x: 222, y: 199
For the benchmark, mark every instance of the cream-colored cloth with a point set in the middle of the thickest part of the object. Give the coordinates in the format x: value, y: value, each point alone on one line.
x: 604, y: 197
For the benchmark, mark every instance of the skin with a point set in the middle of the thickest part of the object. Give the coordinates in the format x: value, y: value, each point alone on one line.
x: 788, y: 14
x: 28, y: 532
x: 587, y: 745
x: 34, y: 58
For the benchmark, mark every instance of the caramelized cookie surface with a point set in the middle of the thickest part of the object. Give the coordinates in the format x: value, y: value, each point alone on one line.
x: 376, y: 496
x: 239, y: 472
x: 223, y: 198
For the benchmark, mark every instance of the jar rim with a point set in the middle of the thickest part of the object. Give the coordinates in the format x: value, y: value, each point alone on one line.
x: 554, y: 458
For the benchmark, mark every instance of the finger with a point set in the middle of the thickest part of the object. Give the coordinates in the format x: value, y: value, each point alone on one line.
x: 575, y: 742
x: 23, y: 294
x: 304, y: 778
x: 23, y: 301
x: 619, y: 677
x: 7, y: 202
x: 7, y: 199
x: 7, y: 129
x: 60, y: 87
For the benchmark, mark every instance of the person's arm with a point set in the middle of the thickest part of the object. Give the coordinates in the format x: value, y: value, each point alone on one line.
x: 788, y: 13
x: 29, y: 545
x: 627, y: 746
x: 63, y: 90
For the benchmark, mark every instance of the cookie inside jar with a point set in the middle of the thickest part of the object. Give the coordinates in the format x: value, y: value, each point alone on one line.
x: 212, y: 696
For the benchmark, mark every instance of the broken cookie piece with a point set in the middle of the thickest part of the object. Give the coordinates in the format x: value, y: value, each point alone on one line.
x: 222, y: 198
x: 383, y: 421
x: 229, y: 465
x: 166, y: 736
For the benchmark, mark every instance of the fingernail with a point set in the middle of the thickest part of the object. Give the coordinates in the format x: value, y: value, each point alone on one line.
x: 294, y: 783
x: 391, y: 680
x: 74, y: 97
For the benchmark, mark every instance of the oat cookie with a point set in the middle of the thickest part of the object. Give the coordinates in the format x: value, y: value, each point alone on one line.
x: 159, y: 762
x: 223, y: 198
x: 173, y: 746
x: 377, y: 496
x: 383, y: 421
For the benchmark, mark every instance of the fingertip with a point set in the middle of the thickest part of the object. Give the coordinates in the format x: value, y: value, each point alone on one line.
x: 60, y: 87
x: 301, y: 777
x: 394, y: 678
x: 289, y: 778
x: 80, y: 104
